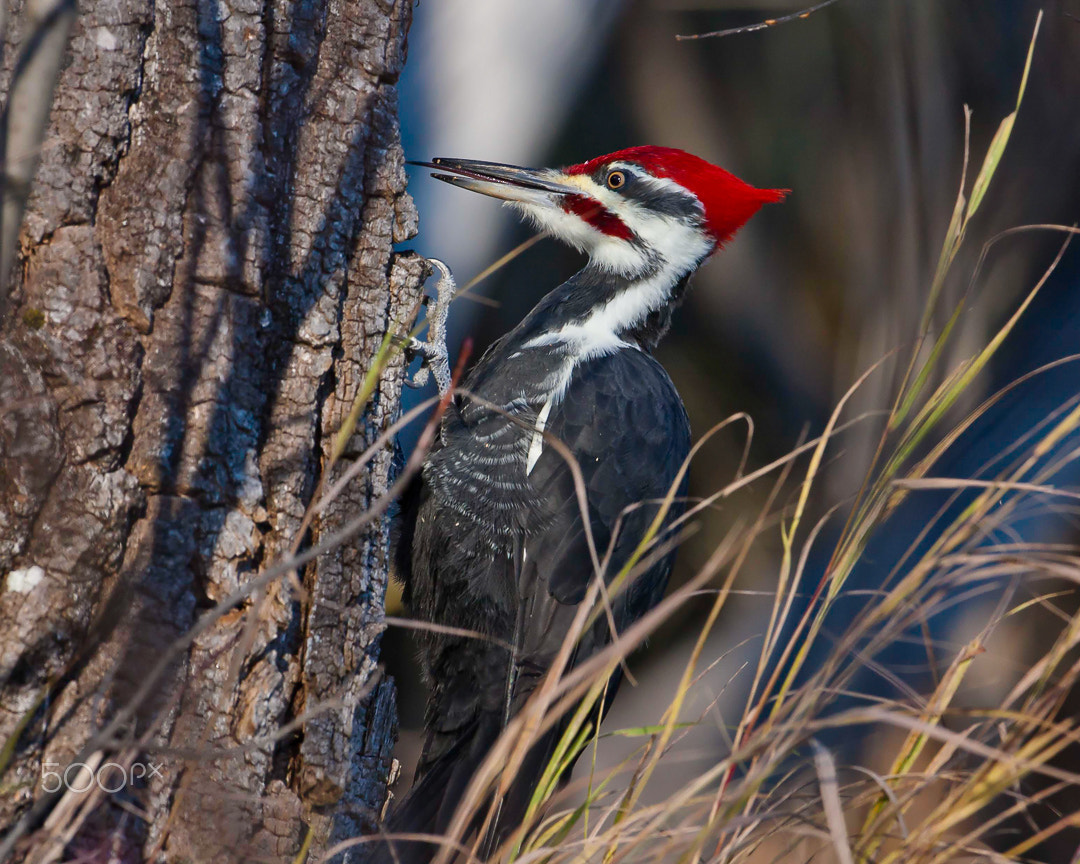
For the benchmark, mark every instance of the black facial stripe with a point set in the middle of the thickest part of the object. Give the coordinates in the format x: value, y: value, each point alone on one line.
x: 657, y: 199
x: 653, y: 197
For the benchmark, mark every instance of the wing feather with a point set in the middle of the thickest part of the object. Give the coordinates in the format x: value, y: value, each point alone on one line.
x: 624, y: 423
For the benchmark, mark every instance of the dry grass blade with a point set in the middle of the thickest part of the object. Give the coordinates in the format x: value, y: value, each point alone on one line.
x: 800, y: 648
x: 916, y: 741
x: 497, y: 265
x: 998, y: 485
x: 439, y: 840
x: 830, y: 796
x: 997, y: 759
x: 412, y: 624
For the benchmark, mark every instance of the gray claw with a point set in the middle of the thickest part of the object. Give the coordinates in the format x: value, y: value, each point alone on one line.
x: 432, y: 351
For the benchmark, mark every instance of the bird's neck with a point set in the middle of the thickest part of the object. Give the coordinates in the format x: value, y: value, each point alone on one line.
x: 596, y: 310
x: 592, y: 314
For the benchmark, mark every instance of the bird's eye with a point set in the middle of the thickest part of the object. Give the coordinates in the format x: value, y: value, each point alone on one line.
x: 616, y: 179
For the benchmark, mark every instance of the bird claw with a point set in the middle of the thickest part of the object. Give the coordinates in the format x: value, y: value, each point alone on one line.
x: 432, y: 352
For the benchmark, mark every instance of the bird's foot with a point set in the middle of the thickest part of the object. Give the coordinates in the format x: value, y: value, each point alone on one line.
x: 434, y: 358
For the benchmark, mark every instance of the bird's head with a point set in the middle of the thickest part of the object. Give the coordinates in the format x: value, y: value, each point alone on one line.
x: 632, y: 211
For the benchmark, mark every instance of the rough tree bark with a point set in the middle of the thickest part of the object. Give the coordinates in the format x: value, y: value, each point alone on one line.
x: 206, y: 271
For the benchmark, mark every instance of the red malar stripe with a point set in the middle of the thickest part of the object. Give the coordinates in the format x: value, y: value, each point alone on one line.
x: 597, y: 216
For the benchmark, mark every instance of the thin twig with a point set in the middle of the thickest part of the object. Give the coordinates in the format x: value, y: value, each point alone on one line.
x: 761, y: 25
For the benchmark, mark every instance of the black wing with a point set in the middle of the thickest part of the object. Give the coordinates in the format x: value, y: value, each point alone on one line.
x: 626, y: 427
x: 624, y: 423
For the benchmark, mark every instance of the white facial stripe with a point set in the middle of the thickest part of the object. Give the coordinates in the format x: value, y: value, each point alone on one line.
x: 680, y: 244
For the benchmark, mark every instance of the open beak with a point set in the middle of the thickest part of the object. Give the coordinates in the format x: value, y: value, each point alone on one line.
x: 539, y: 186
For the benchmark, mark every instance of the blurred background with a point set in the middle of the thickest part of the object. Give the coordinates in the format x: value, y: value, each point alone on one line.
x: 859, y: 109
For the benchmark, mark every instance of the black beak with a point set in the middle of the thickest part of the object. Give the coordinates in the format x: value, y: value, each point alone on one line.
x: 508, y: 182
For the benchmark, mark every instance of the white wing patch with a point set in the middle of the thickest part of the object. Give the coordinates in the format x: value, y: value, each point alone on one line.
x: 536, y: 446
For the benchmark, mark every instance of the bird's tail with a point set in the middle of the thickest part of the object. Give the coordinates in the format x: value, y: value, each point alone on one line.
x: 430, y: 805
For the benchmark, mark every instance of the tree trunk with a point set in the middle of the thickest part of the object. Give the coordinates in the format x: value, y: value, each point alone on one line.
x: 206, y: 273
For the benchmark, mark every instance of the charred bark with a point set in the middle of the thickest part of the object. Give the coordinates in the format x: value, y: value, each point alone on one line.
x: 205, y: 274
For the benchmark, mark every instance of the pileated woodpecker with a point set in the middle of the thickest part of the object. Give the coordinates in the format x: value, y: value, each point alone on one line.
x: 492, y: 536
